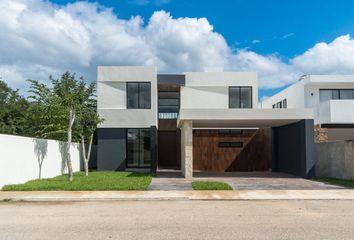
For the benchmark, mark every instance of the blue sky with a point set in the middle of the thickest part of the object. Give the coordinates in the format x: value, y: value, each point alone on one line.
x: 272, y: 33
x: 287, y: 27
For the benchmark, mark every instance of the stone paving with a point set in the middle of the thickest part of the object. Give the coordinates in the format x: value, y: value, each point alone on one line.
x: 173, y: 181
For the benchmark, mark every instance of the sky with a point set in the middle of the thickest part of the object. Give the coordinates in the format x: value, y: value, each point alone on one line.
x: 279, y: 39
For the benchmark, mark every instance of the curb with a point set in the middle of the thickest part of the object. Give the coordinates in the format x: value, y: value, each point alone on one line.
x: 81, y: 196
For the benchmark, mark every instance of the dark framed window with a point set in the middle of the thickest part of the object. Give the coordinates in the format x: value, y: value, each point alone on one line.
x: 230, y: 132
x: 230, y: 144
x: 240, y: 97
x: 332, y: 94
x: 139, y: 95
x: 169, y: 102
x: 285, y: 103
x: 138, y: 147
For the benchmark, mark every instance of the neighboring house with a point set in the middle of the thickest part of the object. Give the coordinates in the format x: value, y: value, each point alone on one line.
x: 197, y: 121
x: 330, y: 96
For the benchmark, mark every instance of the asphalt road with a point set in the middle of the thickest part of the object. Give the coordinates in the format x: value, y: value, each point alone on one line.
x: 332, y: 219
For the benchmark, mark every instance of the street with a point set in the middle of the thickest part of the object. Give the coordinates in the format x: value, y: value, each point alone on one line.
x: 296, y: 219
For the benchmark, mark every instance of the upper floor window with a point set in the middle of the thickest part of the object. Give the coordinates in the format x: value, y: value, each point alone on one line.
x: 168, y: 102
x: 240, y: 97
x: 139, y: 95
x: 330, y: 94
x: 281, y: 104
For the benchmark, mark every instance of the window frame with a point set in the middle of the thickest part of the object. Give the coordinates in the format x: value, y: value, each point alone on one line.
x: 239, y: 88
x: 127, y: 93
x: 338, y: 90
x: 126, y: 148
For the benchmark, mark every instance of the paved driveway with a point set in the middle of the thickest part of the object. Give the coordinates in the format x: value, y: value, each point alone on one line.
x: 238, y: 181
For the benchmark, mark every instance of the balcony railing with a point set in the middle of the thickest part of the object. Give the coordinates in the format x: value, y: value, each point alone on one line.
x: 168, y: 115
x: 334, y: 111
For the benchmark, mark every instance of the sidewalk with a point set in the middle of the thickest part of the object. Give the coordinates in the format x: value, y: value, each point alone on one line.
x: 66, y: 196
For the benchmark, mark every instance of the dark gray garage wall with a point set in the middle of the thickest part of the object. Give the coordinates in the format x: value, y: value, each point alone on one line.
x: 294, y: 150
x: 111, y: 148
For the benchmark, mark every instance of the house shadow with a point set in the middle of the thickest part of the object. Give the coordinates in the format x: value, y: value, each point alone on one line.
x: 40, y: 149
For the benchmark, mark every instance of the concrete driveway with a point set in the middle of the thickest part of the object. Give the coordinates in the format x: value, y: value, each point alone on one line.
x: 172, y: 180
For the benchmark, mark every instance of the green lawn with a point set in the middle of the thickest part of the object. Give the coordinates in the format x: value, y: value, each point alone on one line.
x: 336, y: 181
x: 95, y: 181
x: 210, y: 185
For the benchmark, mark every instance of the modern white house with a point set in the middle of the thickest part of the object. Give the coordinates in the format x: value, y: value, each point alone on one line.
x: 330, y: 96
x: 197, y: 121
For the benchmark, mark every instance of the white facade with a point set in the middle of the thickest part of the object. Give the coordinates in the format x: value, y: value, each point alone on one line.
x: 112, y: 97
x: 211, y: 89
x: 306, y: 94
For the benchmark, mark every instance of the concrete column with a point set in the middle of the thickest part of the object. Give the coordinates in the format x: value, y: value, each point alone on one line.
x: 187, y: 149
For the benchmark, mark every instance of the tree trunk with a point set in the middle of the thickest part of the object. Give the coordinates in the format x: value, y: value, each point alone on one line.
x: 40, y: 171
x: 88, y: 154
x: 68, y: 161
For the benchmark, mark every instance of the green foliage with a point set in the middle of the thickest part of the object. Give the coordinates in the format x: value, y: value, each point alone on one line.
x: 52, y: 105
x: 13, y: 110
x: 95, y: 181
x: 45, y: 114
x: 336, y: 181
x: 210, y: 185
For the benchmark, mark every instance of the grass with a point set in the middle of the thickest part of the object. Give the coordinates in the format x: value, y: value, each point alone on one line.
x: 336, y: 181
x: 210, y: 185
x: 95, y: 181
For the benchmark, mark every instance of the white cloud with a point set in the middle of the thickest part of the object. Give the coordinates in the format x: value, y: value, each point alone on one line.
x: 323, y: 58
x: 39, y: 38
x: 255, y: 41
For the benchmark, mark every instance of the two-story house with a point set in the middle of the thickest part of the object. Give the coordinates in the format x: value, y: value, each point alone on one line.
x: 330, y: 96
x: 197, y: 121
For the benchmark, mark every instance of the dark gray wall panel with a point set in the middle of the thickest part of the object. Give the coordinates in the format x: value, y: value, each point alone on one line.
x: 294, y: 149
x: 111, y: 148
x: 153, y: 148
x: 178, y: 79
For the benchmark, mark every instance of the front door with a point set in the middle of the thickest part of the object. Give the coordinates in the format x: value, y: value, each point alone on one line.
x: 169, y: 150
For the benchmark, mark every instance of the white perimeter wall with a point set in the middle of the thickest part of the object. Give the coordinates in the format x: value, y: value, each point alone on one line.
x: 208, y: 90
x: 19, y: 158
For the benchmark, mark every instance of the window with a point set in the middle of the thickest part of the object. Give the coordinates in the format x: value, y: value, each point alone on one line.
x: 240, y: 97
x: 138, y: 147
x: 230, y: 132
x: 230, y: 144
x: 168, y: 104
x: 281, y: 104
x: 139, y: 95
x: 331, y: 94
x: 285, y: 103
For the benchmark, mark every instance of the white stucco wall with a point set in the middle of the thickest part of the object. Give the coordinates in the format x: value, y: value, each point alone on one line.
x: 211, y: 89
x: 293, y: 94
x: 305, y: 92
x: 19, y: 158
x: 112, y: 97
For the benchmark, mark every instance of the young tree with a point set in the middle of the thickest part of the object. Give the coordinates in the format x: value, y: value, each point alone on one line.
x: 86, y: 125
x: 59, y: 104
x: 74, y: 95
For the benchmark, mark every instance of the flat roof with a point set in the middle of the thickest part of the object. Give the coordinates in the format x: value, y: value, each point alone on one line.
x: 243, y: 118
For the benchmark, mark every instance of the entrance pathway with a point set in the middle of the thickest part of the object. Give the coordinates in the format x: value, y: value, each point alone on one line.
x: 173, y: 180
